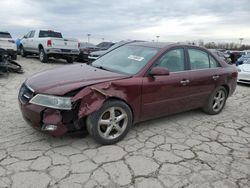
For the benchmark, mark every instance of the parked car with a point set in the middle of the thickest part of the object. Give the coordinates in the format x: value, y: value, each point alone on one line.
x: 242, y: 59
x: 85, y: 49
x: 48, y: 43
x: 246, y: 52
x: 105, y: 45
x: 95, y: 55
x: 8, y: 44
x: 223, y: 56
x: 234, y: 55
x: 133, y: 83
x: 244, y: 72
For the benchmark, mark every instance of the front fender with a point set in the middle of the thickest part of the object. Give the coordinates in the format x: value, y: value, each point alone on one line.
x: 91, y: 98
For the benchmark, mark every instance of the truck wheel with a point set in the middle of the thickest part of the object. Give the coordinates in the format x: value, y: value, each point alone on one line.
x: 69, y: 60
x: 43, y: 56
x: 22, y: 52
x: 110, y: 123
x: 216, y: 101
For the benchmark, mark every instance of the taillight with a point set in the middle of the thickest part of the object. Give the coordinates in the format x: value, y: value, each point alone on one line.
x: 49, y: 43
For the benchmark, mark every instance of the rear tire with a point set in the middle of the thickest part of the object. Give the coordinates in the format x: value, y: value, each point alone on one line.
x: 216, y: 101
x: 43, y: 56
x: 110, y: 123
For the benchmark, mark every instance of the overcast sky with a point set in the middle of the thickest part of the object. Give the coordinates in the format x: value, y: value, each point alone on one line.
x: 114, y: 20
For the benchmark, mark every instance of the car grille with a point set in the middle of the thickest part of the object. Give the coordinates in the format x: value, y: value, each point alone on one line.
x: 25, y: 94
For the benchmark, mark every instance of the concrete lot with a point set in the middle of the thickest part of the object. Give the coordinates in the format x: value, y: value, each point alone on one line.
x: 190, y: 149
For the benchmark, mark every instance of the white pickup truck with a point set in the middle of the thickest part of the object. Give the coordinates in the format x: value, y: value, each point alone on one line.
x: 48, y: 44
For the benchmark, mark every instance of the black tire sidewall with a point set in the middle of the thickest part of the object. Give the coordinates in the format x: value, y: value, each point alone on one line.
x: 92, y: 121
x: 22, y: 52
x: 45, y: 58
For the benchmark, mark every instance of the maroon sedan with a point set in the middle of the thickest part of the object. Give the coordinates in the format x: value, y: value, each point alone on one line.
x: 133, y: 83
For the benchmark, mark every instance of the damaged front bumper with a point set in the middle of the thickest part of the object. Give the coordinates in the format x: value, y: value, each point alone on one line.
x: 46, y: 120
x: 55, y: 122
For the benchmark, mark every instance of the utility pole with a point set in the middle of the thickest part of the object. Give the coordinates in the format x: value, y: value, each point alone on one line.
x: 157, y: 38
x: 241, y: 39
x: 88, y: 37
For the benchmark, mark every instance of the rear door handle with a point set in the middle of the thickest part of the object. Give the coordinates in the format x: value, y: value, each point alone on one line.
x: 215, y: 77
x: 184, y: 82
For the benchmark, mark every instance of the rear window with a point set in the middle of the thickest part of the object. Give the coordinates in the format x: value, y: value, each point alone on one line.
x: 53, y: 34
x: 4, y: 35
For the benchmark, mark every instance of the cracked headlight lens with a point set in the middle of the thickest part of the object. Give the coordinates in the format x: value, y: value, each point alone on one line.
x: 63, y: 103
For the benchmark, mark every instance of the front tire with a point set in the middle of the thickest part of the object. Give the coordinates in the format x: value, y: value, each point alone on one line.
x: 217, y: 101
x: 69, y: 60
x: 22, y: 52
x: 110, y: 123
x: 43, y: 56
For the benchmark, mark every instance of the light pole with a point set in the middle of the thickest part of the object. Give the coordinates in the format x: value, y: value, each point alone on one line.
x: 88, y: 37
x: 241, y: 39
x: 157, y: 38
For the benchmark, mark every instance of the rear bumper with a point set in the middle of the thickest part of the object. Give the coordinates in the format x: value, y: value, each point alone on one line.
x: 71, y: 52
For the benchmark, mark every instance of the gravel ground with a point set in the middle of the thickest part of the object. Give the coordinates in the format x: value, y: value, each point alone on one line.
x: 190, y: 149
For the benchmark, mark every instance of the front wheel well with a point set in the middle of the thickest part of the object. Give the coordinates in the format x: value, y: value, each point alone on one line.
x: 227, y: 89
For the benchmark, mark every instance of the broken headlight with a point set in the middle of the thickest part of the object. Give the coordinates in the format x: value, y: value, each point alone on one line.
x: 63, y: 103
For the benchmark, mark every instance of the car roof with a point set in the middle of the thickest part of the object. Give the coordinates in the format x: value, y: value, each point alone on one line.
x: 152, y: 44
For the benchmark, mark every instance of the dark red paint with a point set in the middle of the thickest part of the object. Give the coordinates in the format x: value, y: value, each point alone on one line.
x: 149, y: 93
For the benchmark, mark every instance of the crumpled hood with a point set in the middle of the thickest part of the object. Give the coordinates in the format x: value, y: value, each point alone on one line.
x: 245, y: 67
x: 60, y: 81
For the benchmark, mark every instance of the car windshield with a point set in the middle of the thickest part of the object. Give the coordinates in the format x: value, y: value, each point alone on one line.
x: 5, y: 35
x: 126, y: 59
x: 43, y: 34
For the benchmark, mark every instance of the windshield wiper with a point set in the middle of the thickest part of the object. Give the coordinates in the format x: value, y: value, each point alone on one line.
x: 100, y: 67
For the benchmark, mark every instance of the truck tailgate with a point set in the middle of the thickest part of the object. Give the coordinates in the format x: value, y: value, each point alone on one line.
x: 64, y: 43
x: 7, y: 44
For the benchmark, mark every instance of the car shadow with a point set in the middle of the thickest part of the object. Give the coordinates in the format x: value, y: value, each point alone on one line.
x: 243, y: 84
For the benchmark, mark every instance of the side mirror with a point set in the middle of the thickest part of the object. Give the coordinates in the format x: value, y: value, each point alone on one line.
x: 159, y: 71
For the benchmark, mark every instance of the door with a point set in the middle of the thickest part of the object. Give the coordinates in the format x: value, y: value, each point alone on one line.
x: 205, y: 75
x: 168, y: 94
x: 25, y: 41
x: 32, y: 44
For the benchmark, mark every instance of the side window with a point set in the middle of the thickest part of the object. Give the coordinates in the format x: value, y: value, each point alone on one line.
x: 198, y: 59
x: 28, y: 34
x: 32, y: 34
x: 213, y: 62
x: 173, y: 60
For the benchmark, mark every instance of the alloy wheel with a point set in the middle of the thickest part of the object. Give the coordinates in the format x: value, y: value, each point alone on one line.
x: 112, y: 123
x: 219, y: 100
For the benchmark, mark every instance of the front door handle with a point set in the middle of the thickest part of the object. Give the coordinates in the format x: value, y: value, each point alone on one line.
x: 215, y: 77
x: 184, y: 82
